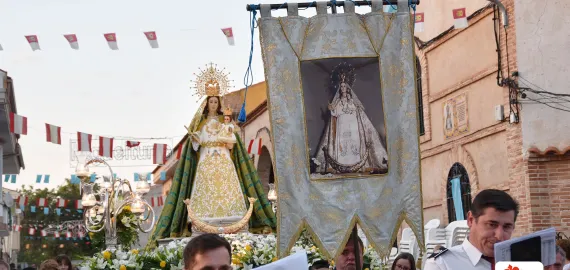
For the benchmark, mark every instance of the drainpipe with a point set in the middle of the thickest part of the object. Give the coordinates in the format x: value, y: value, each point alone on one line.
x: 505, y: 16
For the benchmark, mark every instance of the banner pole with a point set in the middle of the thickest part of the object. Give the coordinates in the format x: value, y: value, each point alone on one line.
x: 252, y: 7
x: 356, y: 243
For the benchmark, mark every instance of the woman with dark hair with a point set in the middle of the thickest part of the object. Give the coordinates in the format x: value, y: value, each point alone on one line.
x: 64, y: 262
x: 404, y: 261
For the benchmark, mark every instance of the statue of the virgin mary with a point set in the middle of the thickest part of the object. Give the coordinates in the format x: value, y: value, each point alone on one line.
x: 350, y: 143
x: 216, y: 177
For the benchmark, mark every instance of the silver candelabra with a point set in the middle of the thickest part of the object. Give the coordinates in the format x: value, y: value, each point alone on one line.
x: 105, y: 200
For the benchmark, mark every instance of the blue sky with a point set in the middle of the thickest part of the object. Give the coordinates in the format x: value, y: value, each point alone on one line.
x: 134, y: 92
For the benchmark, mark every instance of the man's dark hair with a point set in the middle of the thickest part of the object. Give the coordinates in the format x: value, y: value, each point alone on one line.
x: 202, y: 244
x: 564, y: 244
x: 320, y: 264
x: 493, y: 198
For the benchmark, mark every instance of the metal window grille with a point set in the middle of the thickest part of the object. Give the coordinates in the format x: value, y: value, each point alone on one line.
x: 457, y: 170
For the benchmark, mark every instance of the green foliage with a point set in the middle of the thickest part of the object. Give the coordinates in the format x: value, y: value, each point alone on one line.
x: 126, y: 231
x: 32, y: 250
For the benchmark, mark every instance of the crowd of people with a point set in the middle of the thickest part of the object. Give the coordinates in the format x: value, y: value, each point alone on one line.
x: 61, y: 262
x: 491, y: 219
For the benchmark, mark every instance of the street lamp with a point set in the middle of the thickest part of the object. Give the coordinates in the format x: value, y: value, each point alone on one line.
x: 103, y: 206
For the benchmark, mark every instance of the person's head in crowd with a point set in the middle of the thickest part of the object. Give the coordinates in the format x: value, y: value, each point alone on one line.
x: 12, y: 266
x: 559, y: 263
x: 564, y: 244
x: 320, y: 265
x: 64, y: 262
x: 49, y: 265
x: 404, y: 261
x: 4, y: 265
x: 208, y: 251
x: 491, y: 219
x: 347, y: 259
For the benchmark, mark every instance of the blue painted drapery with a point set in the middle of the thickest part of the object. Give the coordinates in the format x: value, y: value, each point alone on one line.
x: 456, y: 195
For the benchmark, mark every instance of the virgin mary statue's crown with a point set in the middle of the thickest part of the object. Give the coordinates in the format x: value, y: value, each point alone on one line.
x: 211, y: 82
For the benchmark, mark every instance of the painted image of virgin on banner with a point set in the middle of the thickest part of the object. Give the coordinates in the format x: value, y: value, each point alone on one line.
x: 345, y: 117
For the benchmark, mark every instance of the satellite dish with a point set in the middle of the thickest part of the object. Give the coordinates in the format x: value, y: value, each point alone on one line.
x: 8, y: 200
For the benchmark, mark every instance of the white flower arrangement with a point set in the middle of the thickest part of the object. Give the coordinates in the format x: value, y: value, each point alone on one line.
x: 248, y: 251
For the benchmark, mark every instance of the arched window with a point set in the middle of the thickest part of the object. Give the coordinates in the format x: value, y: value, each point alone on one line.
x: 459, y: 175
x: 420, y: 99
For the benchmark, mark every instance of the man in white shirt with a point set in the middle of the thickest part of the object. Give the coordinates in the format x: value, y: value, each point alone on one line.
x: 491, y: 219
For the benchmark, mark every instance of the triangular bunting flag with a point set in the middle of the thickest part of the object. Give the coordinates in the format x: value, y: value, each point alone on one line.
x: 133, y: 144
x: 34, y: 43
x: 229, y: 33
x: 72, y: 39
x: 112, y: 41
x: 419, y: 22
x: 152, y: 40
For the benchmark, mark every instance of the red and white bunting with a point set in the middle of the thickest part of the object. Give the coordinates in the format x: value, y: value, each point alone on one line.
x: 43, y: 232
x: 18, y: 124
x: 17, y: 228
x: 229, y: 33
x: 84, y: 142
x: 160, y: 201
x: 72, y: 39
x: 255, y: 146
x: 112, y: 41
x: 68, y: 234
x: 61, y: 203
x: 22, y: 200
x: 32, y: 231
x: 460, y: 18
x: 78, y: 204
x: 42, y: 202
x: 131, y: 144
x: 179, y: 151
x: 53, y: 134
x: 106, y: 147
x: 419, y: 22
x: 159, y: 153
x: 56, y: 234
x: 34, y: 43
x: 152, y: 40
x: 152, y: 201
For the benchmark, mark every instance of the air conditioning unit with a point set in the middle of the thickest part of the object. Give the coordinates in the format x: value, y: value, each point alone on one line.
x: 499, y: 113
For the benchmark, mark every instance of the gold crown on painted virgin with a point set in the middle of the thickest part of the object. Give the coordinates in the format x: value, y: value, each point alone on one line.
x: 211, y: 82
x: 228, y: 111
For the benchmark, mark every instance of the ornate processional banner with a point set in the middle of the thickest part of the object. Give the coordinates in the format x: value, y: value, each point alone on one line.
x: 343, y: 105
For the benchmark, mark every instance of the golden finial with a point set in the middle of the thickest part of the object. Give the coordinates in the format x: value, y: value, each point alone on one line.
x: 228, y: 111
x: 211, y: 82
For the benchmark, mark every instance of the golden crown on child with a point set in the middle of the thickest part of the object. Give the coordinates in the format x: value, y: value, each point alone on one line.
x: 228, y: 111
x: 211, y: 82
